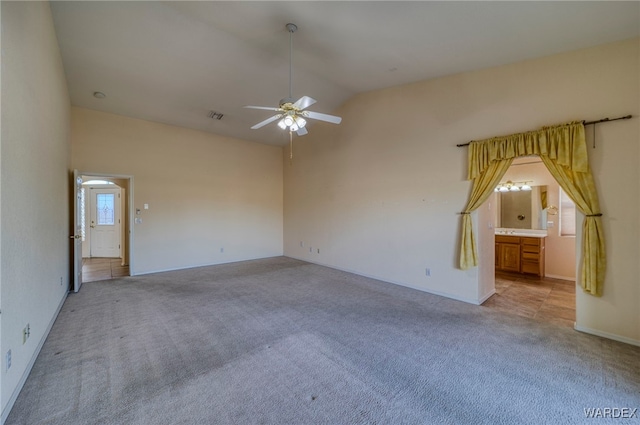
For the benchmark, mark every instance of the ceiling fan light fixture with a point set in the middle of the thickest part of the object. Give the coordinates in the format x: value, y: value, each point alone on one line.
x: 301, y: 122
x: 282, y: 125
x: 288, y: 120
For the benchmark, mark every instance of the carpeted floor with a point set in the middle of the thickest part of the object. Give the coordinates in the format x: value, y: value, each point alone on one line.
x: 281, y: 341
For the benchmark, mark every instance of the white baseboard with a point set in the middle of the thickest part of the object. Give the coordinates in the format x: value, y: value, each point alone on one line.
x: 173, y: 269
x: 555, y: 276
x: 607, y: 335
x: 406, y: 285
x: 27, y: 371
x: 486, y: 297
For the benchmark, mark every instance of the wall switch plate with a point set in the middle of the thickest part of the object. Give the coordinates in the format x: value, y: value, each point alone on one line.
x: 146, y: 206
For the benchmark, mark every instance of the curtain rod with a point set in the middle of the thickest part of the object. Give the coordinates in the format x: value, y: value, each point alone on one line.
x: 626, y: 117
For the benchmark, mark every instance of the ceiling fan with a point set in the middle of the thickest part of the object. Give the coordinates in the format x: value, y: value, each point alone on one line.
x: 291, y: 114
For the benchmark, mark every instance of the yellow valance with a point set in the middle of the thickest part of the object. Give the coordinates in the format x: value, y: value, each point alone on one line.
x: 563, y: 150
x: 562, y: 143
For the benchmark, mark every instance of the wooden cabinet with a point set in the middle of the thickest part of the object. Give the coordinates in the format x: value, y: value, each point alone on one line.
x: 520, y: 254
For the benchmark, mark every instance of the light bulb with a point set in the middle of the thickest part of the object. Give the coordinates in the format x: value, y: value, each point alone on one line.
x: 514, y: 188
x: 504, y: 189
x: 288, y: 120
x: 525, y: 187
x: 281, y: 124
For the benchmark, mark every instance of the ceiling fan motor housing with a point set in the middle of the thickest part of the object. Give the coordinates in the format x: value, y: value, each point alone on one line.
x: 285, y: 101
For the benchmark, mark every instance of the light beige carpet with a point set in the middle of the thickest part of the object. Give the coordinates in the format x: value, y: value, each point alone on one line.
x: 281, y: 341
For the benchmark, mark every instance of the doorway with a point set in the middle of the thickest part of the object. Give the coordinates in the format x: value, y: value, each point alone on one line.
x: 106, y: 226
x: 103, y: 213
x: 549, y: 297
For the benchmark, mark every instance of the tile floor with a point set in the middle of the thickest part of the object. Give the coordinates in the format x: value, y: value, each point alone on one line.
x: 94, y: 269
x: 545, y: 299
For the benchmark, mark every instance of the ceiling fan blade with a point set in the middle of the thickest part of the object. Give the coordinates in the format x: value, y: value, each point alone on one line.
x: 302, y: 131
x: 322, y: 117
x: 266, y: 108
x: 267, y: 121
x: 304, y: 102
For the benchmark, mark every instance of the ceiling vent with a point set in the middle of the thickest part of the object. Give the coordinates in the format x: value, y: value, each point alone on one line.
x: 215, y: 115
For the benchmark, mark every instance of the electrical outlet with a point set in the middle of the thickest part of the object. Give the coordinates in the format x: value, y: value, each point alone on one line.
x: 427, y: 272
x: 8, y: 359
x: 26, y: 333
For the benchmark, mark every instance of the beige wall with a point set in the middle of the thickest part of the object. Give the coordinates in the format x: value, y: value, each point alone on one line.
x: 380, y: 194
x: 205, y: 192
x: 35, y: 161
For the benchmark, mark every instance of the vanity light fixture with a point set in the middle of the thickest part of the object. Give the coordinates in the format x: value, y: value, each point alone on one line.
x: 513, y: 186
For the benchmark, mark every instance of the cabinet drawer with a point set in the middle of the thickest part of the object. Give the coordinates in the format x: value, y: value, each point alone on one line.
x: 530, y: 267
x: 507, y: 239
x: 531, y: 241
x: 530, y: 248
x: 530, y: 256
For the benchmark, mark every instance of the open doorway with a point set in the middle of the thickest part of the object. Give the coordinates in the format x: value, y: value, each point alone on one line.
x: 535, y: 268
x: 106, y: 230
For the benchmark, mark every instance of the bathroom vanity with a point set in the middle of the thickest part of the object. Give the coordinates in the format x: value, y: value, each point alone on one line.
x: 520, y: 252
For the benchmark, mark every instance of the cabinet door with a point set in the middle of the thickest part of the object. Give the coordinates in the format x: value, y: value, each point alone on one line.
x: 510, y: 257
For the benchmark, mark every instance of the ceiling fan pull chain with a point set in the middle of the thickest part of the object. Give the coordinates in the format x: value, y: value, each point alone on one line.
x: 290, y: 145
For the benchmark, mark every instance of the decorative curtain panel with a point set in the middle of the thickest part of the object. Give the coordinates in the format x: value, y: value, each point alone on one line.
x: 483, y: 186
x: 563, y: 150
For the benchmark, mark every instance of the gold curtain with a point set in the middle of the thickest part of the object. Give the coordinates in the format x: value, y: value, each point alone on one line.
x: 581, y: 189
x: 483, y: 186
x: 563, y: 149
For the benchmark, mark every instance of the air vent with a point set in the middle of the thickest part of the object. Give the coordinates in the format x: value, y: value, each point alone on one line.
x: 215, y: 115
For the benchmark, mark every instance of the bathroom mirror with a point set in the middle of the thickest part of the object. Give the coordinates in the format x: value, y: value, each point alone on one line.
x: 524, y: 209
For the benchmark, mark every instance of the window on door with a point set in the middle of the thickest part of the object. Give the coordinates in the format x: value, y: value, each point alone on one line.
x: 105, y: 209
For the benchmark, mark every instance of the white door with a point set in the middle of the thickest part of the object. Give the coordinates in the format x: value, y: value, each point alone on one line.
x: 104, y: 224
x: 77, y: 231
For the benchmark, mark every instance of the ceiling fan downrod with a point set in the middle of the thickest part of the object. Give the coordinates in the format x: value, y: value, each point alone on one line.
x: 291, y: 28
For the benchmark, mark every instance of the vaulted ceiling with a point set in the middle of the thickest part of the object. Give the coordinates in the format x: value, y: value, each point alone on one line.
x: 174, y: 62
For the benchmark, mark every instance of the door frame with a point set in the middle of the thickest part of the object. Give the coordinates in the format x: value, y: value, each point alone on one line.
x: 128, y: 217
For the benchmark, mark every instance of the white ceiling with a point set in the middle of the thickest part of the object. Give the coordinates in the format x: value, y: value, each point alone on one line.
x: 173, y: 62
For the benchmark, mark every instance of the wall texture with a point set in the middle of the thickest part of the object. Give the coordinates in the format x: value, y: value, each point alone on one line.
x: 35, y: 159
x: 206, y: 193
x: 380, y: 194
